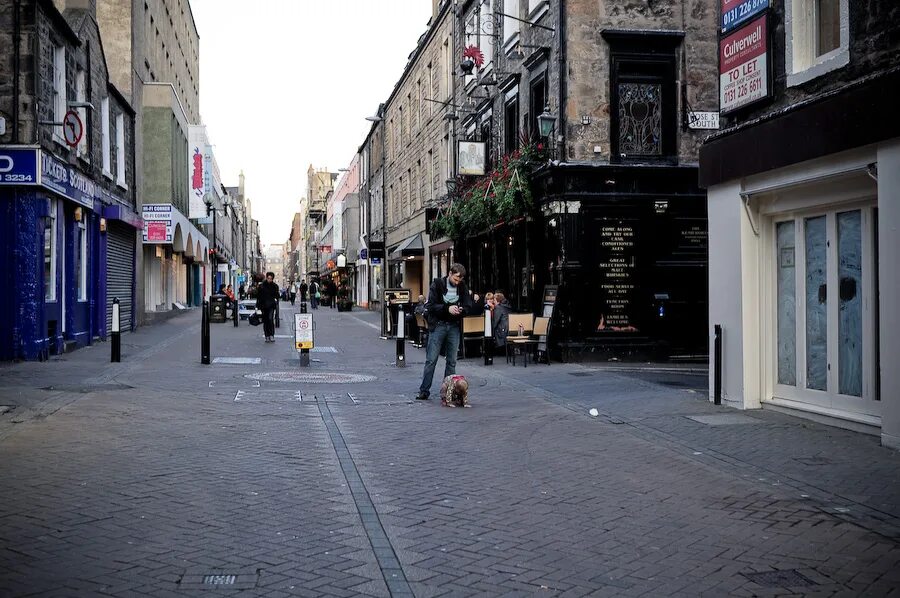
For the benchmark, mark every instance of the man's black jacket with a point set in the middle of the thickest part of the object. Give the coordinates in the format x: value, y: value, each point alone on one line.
x: 437, y: 310
x: 267, y: 295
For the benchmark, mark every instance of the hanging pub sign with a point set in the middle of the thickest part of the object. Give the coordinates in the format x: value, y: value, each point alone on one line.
x: 743, y: 66
x: 736, y: 12
x: 471, y: 156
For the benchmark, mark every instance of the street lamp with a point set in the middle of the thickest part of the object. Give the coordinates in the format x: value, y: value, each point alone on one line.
x: 546, y: 122
x: 380, y: 119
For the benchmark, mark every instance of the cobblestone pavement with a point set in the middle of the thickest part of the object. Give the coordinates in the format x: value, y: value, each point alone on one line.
x: 163, y: 477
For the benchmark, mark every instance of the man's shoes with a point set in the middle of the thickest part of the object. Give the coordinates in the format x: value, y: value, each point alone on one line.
x: 422, y: 396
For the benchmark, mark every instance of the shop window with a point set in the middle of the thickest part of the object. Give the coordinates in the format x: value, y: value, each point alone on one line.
x: 81, y: 259
x: 817, y: 34
x: 643, y: 114
x: 50, y: 253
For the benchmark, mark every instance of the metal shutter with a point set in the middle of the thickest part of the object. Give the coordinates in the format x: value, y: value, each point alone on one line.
x: 120, y: 272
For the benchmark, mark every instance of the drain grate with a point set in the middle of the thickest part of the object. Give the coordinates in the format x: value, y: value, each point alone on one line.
x: 219, y: 580
x: 788, y: 578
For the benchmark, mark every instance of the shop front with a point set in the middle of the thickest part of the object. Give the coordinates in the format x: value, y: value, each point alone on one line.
x: 53, y: 223
x: 406, y: 268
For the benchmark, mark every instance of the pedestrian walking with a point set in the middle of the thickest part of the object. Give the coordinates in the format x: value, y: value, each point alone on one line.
x: 304, y: 291
x: 293, y: 292
x: 448, y: 301
x: 267, y: 302
x: 314, y: 294
x: 242, y: 292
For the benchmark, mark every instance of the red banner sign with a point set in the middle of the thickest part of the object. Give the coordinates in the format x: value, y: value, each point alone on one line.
x: 743, y: 66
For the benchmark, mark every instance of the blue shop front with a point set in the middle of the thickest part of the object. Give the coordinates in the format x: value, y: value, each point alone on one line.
x: 54, y: 224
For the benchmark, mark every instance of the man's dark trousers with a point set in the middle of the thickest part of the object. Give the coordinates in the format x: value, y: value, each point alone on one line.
x: 446, y: 335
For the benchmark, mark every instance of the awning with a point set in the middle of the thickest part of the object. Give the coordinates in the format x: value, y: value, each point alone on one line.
x: 409, y: 247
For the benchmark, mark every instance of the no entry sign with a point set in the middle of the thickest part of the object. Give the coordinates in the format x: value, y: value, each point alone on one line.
x: 743, y: 66
x: 303, y: 331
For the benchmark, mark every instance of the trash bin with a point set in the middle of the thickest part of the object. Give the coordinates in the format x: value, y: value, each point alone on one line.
x: 217, y: 305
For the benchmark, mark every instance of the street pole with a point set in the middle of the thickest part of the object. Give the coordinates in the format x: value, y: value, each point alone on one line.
x: 116, y: 347
x: 384, y: 258
x: 204, y: 334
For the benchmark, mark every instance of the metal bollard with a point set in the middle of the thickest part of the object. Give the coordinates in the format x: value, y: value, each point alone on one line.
x: 116, y: 346
x: 717, y: 366
x: 303, y: 307
x: 204, y: 334
x: 278, y: 313
x: 401, y: 338
x: 236, y: 308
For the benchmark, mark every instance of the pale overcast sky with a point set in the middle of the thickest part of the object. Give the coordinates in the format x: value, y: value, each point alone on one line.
x: 288, y: 83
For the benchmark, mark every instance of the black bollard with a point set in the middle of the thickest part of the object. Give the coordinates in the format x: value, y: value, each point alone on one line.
x: 488, y: 338
x: 204, y: 334
x: 717, y: 366
x: 277, y: 314
x: 236, y: 308
x: 116, y: 346
x: 303, y: 307
x: 401, y: 338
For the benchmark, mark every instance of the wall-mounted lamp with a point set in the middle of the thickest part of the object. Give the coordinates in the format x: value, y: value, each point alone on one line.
x: 103, y: 225
x: 546, y: 122
x: 78, y: 215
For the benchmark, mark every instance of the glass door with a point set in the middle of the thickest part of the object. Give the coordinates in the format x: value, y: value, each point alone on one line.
x: 825, y: 327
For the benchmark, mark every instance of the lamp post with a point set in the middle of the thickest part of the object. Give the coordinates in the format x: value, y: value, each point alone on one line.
x: 211, y: 210
x: 384, y: 316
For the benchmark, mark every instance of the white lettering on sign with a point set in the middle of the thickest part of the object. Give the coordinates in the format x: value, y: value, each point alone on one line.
x: 6, y: 164
x: 743, y: 43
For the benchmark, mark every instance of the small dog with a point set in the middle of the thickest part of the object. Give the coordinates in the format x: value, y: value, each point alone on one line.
x: 455, y: 392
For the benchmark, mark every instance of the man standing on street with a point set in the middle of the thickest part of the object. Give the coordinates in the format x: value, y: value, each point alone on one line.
x: 448, y: 301
x: 314, y: 294
x: 304, y: 290
x: 267, y: 302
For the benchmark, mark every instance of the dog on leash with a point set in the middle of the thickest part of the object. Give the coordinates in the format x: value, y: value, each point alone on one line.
x: 455, y: 391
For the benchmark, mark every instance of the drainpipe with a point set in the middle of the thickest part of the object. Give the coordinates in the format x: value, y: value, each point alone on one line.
x: 561, y: 28
x: 17, y: 37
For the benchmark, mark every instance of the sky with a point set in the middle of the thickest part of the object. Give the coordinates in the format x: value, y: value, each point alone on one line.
x: 289, y: 83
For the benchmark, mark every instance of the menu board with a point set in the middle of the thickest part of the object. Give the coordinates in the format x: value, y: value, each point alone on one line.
x: 617, y: 263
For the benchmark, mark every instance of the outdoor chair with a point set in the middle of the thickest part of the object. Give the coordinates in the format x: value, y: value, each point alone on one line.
x: 472, y: 330
x: 423, y: 331
x: 520, y: 328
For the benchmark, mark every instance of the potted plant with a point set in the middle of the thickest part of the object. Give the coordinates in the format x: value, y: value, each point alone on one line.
x: 345, y: 303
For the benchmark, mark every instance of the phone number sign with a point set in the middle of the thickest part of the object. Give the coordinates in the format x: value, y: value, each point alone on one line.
x: 736, y: 12
x: 743, y: 66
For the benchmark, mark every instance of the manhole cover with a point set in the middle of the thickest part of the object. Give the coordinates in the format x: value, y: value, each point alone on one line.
x: 789, y: 578
x: 312, y: 377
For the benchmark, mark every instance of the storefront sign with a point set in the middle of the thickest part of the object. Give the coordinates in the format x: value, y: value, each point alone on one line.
x: 618, y: 262
x: 743, y: 66
x: 735, y: 12
x: 363, y: 254
x: 66, y: 181
x: 19, y: 166
x: 157, y: 223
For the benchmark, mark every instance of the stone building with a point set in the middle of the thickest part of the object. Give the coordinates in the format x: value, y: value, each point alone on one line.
x: 803, y: 183
x: 156, y: 64
x: 314, y: 210
x: 418, y: 149
x: 617, y: 227
x: 371, y: 190
x: 67, y: 182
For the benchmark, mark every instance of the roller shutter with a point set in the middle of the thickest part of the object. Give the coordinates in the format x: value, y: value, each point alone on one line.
x: 120, y: 272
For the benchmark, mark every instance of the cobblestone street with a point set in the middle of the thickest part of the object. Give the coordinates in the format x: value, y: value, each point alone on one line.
x: 159, y: 476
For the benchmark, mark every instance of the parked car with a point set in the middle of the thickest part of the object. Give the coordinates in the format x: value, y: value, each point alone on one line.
x: 246, y: 307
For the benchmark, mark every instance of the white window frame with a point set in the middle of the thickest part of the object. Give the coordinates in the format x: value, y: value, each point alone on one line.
x: 50, y: 288
x: 82, y: 262
x: 120, y: 151
x: 81, y: 96
x: 104, y: 135
x: 59, y: 91
x: 537, y: 9
x: 510, y: 26
x: 485, y: 34
x: 800, y: 27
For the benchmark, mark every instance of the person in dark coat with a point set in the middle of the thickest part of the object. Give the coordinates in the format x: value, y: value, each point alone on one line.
x: 267, y: 302
x: 448, y: 302
x: 500, y: 320
x: 304, y: 291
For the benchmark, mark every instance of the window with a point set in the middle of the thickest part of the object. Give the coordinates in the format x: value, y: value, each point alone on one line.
x: 81, y: 259
x: 537, y: 102
x: 537, y: 9
x: 120, y: 150
x: 486, y: 30
x: 510, y: 26
x: 471, y: 40
x: 511, y: 123
x: 643, y: 111
x: 430, y: 174
x: 50, y: 253
x: 817, y: 38
x: 486, y: 135
x: 104, y: 136
x: 81, y: 96
x: 59, y: 90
